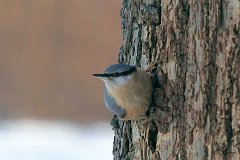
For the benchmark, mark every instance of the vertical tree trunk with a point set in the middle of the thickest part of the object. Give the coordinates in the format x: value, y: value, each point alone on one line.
x: 196, y: 111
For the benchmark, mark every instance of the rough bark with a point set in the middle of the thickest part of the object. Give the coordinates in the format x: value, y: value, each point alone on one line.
x: 195, y: 114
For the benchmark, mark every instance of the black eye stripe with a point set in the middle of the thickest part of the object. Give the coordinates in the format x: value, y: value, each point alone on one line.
x: 117, y: 74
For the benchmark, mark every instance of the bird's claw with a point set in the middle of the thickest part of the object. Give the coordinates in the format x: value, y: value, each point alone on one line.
x: 151, y: 67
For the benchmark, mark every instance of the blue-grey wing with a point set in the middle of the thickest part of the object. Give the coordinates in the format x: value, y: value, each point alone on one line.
x: 112, y: 105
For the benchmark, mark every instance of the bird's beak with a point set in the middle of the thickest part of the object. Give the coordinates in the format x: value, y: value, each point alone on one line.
x: 99, y: 75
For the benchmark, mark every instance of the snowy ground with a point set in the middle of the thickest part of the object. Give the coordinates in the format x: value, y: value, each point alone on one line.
x: 41, y: 140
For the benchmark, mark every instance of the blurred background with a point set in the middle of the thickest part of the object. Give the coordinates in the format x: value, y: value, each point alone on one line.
x: 49, y: 100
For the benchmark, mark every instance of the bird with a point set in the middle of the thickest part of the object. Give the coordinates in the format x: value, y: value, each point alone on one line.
x: 127, y: 90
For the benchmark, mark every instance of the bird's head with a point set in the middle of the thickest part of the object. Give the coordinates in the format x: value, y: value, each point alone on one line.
x: 117, y: 75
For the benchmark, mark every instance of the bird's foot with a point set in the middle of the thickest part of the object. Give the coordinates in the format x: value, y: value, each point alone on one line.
x: 122, y: 116
x: 144, y: 119
x: 151, y: 67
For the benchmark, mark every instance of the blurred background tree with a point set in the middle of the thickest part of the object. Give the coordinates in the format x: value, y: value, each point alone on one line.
x: 51, y: 107
x: 48, y: 53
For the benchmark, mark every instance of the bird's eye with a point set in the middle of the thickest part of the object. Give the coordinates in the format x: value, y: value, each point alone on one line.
x: 117, y: 74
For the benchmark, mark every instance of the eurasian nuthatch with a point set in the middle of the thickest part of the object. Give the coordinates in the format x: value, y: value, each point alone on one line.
x: 127, y: 90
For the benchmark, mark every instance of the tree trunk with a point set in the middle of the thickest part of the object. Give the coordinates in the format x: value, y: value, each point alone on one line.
x: 195, y: 113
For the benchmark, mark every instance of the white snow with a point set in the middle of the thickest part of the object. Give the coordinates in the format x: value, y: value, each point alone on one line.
x: 42, y: 140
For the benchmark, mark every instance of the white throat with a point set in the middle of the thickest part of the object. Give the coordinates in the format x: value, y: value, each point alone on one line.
x: 122, y: 80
